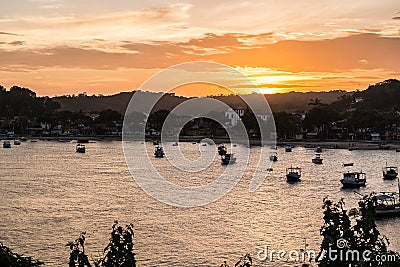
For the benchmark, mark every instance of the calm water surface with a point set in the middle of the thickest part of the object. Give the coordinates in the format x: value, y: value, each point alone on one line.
x: 49, y: 194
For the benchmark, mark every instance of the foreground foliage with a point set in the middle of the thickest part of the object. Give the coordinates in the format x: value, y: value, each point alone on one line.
x: 11, y: 259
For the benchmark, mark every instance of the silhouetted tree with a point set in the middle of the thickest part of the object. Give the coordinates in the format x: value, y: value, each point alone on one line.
x: 11, y: 259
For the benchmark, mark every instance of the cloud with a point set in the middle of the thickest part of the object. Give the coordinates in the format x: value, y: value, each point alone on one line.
x: 8, y: 33
x: 331, y: 55
x: 16, y: 43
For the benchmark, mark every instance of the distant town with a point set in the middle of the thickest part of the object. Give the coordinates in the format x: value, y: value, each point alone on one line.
x: 372, y: 114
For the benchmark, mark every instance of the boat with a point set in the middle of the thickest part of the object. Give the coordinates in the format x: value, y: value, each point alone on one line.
x: 270, y: 170
x: 390, y: 173
x: 353, y: 179
x: 23, y: 139
x: 65, y: 141
x: 384, y: 146
x: 227, y: 159
x: 159, y: 152
x: 274, y: 156
x: 83, y: 141
x: 317, y: 159
x: 222, y: 150
x: 175, y: 144
x: 33, y: 141
x: 348, y: 164
x: 293, y: 174
x: 80, y: 148
x: 6, y: 144
x: 204, y: 144
x: 352, y: 147
x: 318, y: 150
x: 156, y: 142
x: 17, y: 142
x: 398, y: 150
x: 387, y: 204
x: 288, y: 148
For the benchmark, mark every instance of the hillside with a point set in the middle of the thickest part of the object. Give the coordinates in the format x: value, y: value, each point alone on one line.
x: 289, y: 102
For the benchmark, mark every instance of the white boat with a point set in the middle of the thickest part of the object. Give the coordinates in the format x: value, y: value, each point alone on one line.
x: 388, y: 204
x: 17, y: 142
x: 293, y: 174
x: 288, y: 148
x: 227, y: 159
x: 80, y: 148
x: 318, y: 150
x: 390, y: 173
x: 159, y: 152
x: 353, y: 179
x: 6, y: 144
x: 317, y: 159
x: 273, y: 157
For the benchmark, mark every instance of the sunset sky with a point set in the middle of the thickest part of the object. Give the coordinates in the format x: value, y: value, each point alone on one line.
x: 60, y: 47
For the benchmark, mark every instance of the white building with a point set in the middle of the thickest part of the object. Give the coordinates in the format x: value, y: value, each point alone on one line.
x: 234, y: 116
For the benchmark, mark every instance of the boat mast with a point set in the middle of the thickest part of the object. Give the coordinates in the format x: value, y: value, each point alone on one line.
x: 398, y: 185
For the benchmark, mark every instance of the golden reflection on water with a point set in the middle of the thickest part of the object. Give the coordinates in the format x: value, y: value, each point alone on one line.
x: 49, y: 194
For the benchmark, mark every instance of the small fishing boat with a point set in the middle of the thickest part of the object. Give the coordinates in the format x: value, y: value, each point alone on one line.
x: 222, y: 150
x: 175, y: 144
x: 398, y: 150
x: 353, y: 179
x: 273, y: 157
x: 384, y: 146
x: 318, y: 149
x: 33, y: 141
x: 156, y: 142
x: 348, y: 164
x: 270, y: 170
x: 288, y: 148
x: 64, y: 141
x: 80, y: 148
x: 390, y: 173
x: 17, y: 142
x: 204, y: 144
x: 293, y: 174
x: 6, y: 144
x: 317, y: 159
x: 159, y: 152
x: 23, y: 139
x: 388, y: 204
x: 227, y: 159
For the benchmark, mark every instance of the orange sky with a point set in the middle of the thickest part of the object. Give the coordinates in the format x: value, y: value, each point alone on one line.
x: 60, y: 47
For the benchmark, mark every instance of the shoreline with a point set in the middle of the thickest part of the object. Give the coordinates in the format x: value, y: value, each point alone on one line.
x: 356, y: 144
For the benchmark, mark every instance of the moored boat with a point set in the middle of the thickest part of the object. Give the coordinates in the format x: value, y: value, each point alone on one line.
x: 288, y: 148
x: 17, y: 142
x: 227, y: 159
x: 159, y: 152
x: 318, y: 149
x: 348, y: 164
x: 293, y: 174
x: 6, y: 144
x: 317, y: 159
x: 353, y: 179
x: 80, y: 148
x: 222, y: 150
x: 388, y: 204
x: 390, y: 173
x: 273, y: 157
